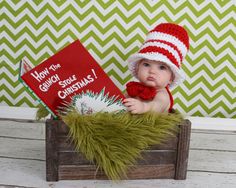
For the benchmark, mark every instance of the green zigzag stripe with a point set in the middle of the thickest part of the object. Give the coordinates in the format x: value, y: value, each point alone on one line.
x: 206, y: 108
x: 121, y: 14
x: 24, y: 101
x: 112, y: 62
x: 201, y: 91
x: 126, y: 6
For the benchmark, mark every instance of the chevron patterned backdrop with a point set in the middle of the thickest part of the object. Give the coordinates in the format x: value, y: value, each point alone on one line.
x: 112, y: 31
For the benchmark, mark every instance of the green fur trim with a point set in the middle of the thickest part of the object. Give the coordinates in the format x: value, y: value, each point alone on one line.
x: 42, y: 112
x: 115, y: 141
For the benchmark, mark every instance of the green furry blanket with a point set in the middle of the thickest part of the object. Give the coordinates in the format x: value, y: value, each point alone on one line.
x: 115, y: 141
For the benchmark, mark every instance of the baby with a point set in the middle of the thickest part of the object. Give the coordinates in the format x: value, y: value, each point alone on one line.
x: 157, y: 66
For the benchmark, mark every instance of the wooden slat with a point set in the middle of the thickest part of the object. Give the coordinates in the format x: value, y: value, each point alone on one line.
x: 183, y: 150
x: 62, y: 128
x: 74, y: 172
x: 148, y: 158
x: 154, y: 157
x: 51, y: 151
x: 66, y: 144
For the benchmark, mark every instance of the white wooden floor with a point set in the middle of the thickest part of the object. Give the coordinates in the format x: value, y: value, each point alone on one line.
x: 212, y: 161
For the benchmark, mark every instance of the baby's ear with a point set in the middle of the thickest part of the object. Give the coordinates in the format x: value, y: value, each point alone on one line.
x: 172, y: 78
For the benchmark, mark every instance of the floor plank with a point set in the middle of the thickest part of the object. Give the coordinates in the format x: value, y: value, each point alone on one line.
x: 214, y: 161
x: 22, y: 129
x: 22, y: 148
x: 213, y: 141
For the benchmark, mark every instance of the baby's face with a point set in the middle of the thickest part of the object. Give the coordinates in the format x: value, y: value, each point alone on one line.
x: 154, y: 73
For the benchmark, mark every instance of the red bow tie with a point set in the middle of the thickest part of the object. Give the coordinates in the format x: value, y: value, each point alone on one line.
x: 137, y: 89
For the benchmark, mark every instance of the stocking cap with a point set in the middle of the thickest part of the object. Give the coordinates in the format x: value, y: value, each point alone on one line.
x: 167, y: 43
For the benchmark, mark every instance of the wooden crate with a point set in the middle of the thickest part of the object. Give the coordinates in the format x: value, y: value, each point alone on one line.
x: 167, y: 161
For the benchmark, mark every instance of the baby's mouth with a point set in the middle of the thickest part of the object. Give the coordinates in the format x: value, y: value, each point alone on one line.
x: 150, y: 78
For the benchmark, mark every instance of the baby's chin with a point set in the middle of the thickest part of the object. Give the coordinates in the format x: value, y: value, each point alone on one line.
x: 150, y: 84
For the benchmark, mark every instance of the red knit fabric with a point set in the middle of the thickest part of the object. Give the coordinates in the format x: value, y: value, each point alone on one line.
x: 174, y: 30
x: 153, y: 49
x: 169, y: 44
x: 137, y: 89
x: 171, y: 99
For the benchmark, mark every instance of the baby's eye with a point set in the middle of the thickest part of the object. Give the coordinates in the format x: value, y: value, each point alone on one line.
x: 163, y: 67
x: 145, y: 64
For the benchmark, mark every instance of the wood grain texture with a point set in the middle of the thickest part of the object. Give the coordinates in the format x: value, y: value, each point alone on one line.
x: 51, y: 151
x: 159, y: 161
x: 183, y: 150
x: 75, y: 172
x: 211, y: 163
x: 67, y: 144
x: 153, y: 157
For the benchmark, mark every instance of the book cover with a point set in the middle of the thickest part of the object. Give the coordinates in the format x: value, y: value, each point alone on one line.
x: 72, y: 76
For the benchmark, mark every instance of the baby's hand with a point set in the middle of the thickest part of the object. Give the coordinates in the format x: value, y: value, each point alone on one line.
x: 134, y: 106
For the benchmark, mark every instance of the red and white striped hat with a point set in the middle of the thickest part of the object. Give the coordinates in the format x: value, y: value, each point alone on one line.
x: 167, y: 43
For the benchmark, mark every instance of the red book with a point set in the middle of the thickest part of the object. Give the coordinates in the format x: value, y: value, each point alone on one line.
x: 72, y: 73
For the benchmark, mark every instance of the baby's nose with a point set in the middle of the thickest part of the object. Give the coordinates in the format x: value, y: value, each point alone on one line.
x: 153, y: 71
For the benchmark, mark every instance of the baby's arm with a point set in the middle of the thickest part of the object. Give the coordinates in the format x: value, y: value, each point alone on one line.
x: 160, y: 103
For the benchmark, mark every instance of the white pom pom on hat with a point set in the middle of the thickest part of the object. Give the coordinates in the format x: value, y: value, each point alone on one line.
x: 168, y: 43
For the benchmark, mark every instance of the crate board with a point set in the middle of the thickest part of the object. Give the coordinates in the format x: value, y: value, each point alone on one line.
x: 168, y: 160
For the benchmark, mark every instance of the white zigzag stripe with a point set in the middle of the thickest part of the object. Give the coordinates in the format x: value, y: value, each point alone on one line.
x: 204, y: 62
x: 107, y: 34
x: 74, y: 30
x: 214, y: 91
x: 210, y: 53
x: 117, y: 70
x: 108, y: 10
x: 10, y: 87
x: 200, y: 97
x: 9, y: 63
x: 205, y: 114
x: 209, y: 79
x: 41, y: 29
x: 225, y: 7
x: 69, y: 39
x: 110, y: 20
x: 205, y: 102
x: 93, y: 15
x: 208, y: 25
x: 208, y: 91
x: 109, y: 45
x: 44, y: 39
x: 217, y: 46
x: 111, y: 31
x: 19, y: 98
x: 9, y: 74
x: 107, y: 58
x: 17, y: 6
x: 117, y: 83
x: 199, y: 7
x: 208, y: 13
x: 45, y: 50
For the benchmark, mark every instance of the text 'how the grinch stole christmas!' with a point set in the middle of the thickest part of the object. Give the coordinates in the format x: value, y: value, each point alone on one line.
x: 77, y: 84
x: 66, y: 86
